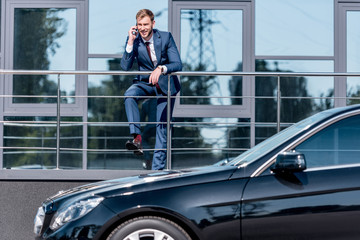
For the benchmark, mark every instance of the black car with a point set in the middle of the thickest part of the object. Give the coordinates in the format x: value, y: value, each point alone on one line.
x: 302, y: 183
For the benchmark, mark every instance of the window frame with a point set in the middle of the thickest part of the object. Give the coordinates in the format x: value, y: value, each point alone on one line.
x: 235, y: 111
x: 341, y: 47
x: 2, y: 40
x: 79, y: 107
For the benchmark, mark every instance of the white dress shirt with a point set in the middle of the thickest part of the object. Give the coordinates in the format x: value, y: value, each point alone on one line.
x: 129, y: 49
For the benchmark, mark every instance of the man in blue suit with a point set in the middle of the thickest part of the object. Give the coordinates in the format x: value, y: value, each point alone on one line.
x: 154, y: 51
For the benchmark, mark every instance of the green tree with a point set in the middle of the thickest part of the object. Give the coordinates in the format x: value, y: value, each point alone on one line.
x: 353, y: 99
x: 35, y: 38
x: 240, y: 136
x: 196, y: 85
x: 292, y: 110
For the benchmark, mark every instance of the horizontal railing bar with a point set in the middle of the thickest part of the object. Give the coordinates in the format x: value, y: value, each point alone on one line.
x: 79, y: 137
x: 201, y: 138
x: 80, y: 96
x: 101, y: 55
x: 71, y: 124
x: 262, y: 97
x: 175, y: 124
x: 183, y: 73
x: 30, y: 148
x: 120, y: 150
x: 67, y: 72
x: 149, y: 149
x: 41, y: 138
x: 174, y: 97
x: 275, y: 74
x: 293, y: 57
x: 114, y: 138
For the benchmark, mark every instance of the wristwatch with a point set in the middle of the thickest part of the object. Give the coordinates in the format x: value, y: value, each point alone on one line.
x: 161, y: 69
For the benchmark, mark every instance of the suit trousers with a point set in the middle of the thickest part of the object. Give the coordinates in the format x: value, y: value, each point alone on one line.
x: 132, y: 98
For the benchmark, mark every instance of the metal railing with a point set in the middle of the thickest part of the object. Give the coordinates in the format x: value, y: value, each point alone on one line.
x: 278, y: 75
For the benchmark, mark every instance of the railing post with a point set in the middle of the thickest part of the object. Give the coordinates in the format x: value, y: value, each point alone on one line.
x: 58, y: 118
x: 278, y: 104
x: 168, y: 133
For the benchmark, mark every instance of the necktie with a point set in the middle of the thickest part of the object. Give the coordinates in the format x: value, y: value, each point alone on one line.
x: 148, y: 50
x: 149, y: 53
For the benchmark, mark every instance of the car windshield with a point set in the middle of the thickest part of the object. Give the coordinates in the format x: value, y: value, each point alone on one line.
x: 269, y: 144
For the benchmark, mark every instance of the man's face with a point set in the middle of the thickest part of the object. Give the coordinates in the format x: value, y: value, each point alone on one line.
x: 145, y: 27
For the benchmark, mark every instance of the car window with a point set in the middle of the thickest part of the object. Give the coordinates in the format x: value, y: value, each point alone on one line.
x: 276, y: 140
x: 337, y: 144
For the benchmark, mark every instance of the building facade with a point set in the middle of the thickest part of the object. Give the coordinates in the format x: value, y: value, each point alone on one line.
x: 216, y: 117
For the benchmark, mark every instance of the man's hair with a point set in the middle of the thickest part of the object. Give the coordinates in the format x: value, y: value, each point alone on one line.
x: 145, y: 13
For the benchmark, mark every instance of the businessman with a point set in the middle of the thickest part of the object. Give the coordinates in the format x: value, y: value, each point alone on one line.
x: 154, y: 51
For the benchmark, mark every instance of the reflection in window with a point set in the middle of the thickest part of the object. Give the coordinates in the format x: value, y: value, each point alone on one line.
x: 312, y: 86
x: 295, y: 28
x: 353, y: 56
x: 101, y: 106
x: 108, y: 29
x: 212, y: 136
x: 301, y: 96
x: 206, y: 41
x: 44, y: 39
x: 296, y: 89
x: 33, y: 145
x: 335, y: 145
x: 104, y: 105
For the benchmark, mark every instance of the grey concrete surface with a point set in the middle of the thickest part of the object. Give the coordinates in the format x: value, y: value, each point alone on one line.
x: 19, y: 201
x: 22, y: 192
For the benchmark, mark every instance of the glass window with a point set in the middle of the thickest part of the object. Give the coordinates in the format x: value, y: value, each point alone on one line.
x: 211, y: 136
x: 44, y: 39
x: 293, y: 89
x: 353, y: 55
x: 101, y: 88
x: 104, y: 105
x: 207, y: 38
x: 311, y: 86
x: 338, y: 144
x: 31, y: 144
x: 295, y: 28
x: 211, y: 141
x: 103, y: 140
x: 301, y: 96
x: 110, y: 21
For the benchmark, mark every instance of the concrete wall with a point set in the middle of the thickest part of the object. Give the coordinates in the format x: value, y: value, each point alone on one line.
x: 20, y: 198
x: 19, y: 201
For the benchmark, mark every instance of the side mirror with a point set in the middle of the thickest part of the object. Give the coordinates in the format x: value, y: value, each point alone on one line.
x: 289, y: 162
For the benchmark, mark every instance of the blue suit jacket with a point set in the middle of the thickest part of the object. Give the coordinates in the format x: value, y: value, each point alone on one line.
x: 166, y: 53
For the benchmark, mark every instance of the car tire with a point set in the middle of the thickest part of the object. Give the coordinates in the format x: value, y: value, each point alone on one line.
x: 149, y: 227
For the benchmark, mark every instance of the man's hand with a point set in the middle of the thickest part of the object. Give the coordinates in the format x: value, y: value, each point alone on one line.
x: 131, y: 35
x: 154, y: 77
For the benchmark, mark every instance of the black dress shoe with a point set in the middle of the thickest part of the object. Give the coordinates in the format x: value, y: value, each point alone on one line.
x: 147, y: 164
x: 135, y: 146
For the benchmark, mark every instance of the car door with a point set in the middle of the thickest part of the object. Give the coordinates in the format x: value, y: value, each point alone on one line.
x: 322, y: 202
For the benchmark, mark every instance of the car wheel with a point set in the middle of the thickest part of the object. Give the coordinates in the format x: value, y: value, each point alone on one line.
x: 148, y: 228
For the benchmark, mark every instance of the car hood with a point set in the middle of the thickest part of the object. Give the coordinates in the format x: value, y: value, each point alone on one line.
x: 147, y: 182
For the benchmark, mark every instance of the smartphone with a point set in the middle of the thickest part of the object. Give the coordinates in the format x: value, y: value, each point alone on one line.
x: 135, y: 31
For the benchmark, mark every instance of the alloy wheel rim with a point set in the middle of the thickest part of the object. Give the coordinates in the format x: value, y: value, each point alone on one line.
x: 148, y: 234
